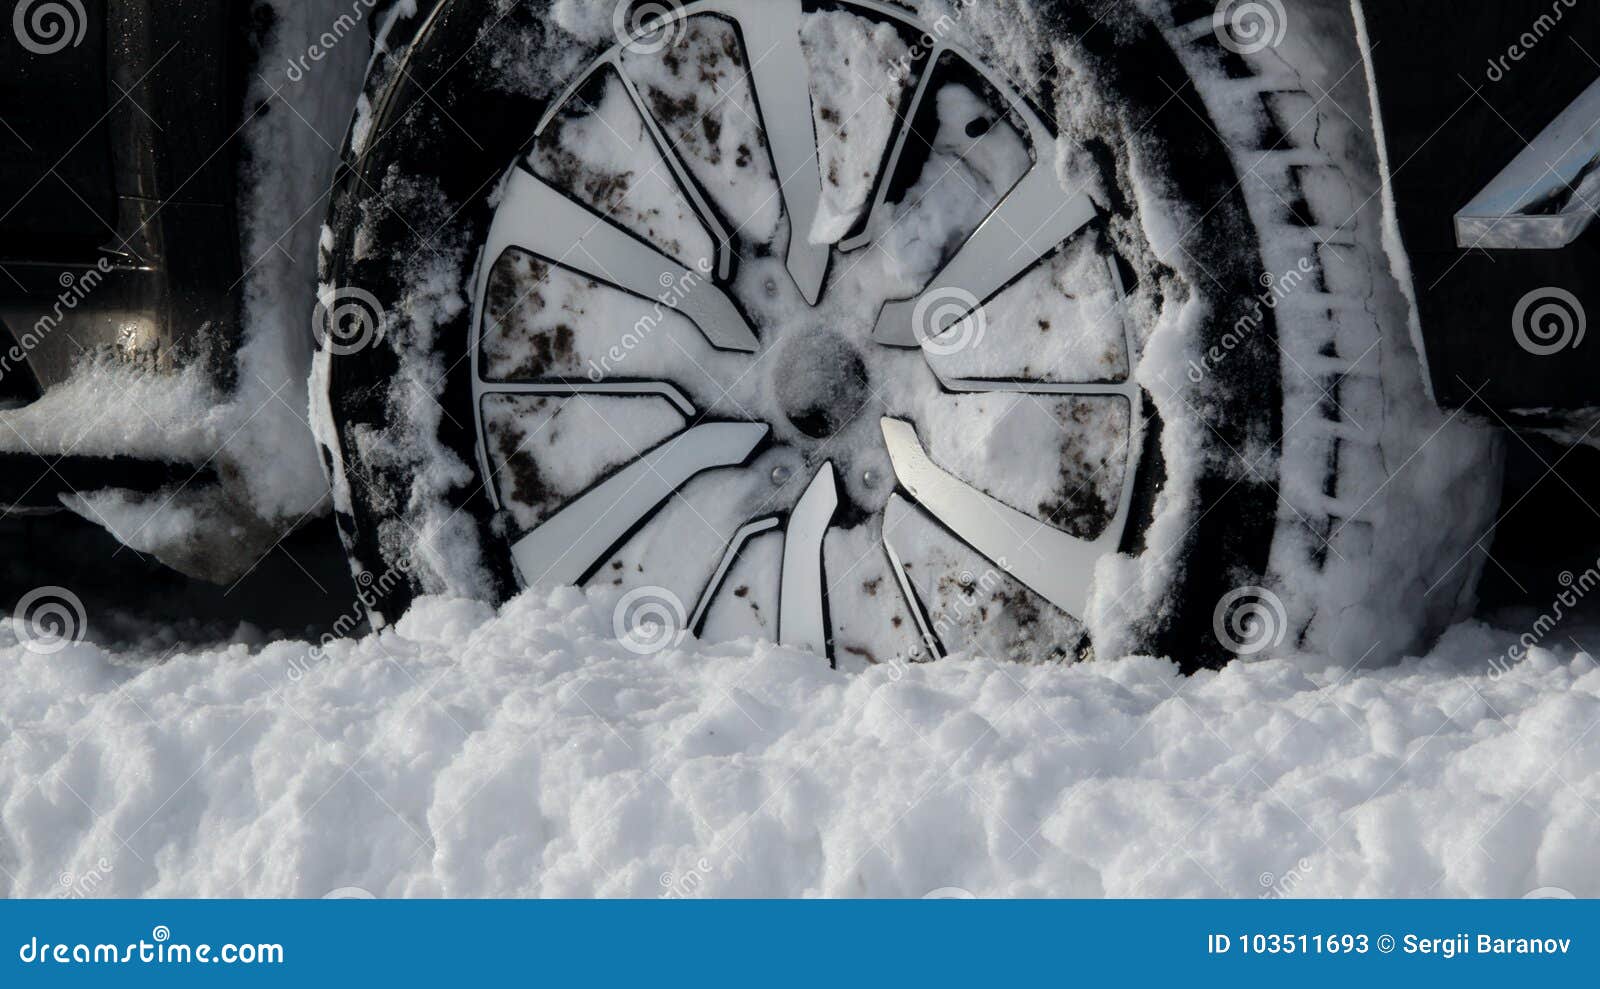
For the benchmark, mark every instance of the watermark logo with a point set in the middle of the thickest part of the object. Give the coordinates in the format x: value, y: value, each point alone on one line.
x: 947, y: 321
x: 930, y: 41
x: 949, y: 893
x: 675, y: 287
x: 977, y: 601
x: 1574, y: 588
x: 78, y: 886
x: 1248, y: 620
x: 349, y: 893
x: 647, y: 27
x: 1274, y: 887
x: 159, y: 950
x: 45, y: 27
x: 49, y: 619
x: 347, y: 321
x: 75, y: 287
x: 1274, y: 290
x: 675, y: 886
x: 1549, y: 320
x: 371, y: 591
x: 318, y: 50
x: 649, y: 619
x: 1549, y: 893
x: 1249, y: 26
x: 1527, y: 41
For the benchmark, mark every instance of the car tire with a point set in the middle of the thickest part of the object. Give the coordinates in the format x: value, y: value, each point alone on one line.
x: 1267, y: 499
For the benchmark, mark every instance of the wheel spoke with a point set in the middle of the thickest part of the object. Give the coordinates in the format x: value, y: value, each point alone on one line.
x: 802, y: 620
x: 680, y: 172
x: 895, y: 513
x: 1127, y: 389
x: 1029, y: 223
x: 781, y: 82
x: 661, y: 389
x: 1055, y: 565
x: 746, y: 532
x: 571, y: 543
x: 878, y: 211
x: 537, y: 218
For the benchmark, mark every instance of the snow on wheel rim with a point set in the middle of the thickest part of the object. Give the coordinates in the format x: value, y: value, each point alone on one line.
x: 767, y: 323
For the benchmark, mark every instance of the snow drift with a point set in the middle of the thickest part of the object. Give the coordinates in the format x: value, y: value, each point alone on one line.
x: 529, y: 753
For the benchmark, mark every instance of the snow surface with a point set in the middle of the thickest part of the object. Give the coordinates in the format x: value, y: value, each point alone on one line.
x: 464, y: 754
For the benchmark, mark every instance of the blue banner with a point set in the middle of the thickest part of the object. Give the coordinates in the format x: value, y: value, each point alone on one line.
x: 929, y: 942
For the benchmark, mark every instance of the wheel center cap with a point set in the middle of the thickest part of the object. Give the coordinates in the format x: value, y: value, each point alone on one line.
x: 820, y: 382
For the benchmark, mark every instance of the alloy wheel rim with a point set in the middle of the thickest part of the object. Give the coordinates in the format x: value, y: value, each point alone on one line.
x: 817, y: 409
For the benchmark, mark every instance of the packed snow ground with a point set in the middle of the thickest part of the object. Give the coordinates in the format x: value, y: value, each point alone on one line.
x: 465, y: 753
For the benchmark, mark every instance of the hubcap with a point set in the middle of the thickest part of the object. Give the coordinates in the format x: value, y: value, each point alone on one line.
x: 820, y: 382
x: 795, y: 321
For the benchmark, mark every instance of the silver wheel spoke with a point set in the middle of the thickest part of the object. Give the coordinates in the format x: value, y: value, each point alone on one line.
x: 894, y: 514
x: 661, y: 389
x: 571, y: 543
x: 746, y: 532
x: 878, y: 211
x: 537, y: 218
x: 1058, y: 567
x: 1127, y: 389
x: 1029, y: 223
x: 802, y: 622
x: 1034, y: 218
x: 680, y: 172
x: 782, y: 87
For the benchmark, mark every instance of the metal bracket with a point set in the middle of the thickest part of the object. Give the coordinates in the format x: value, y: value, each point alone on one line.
x: 1535, y: 203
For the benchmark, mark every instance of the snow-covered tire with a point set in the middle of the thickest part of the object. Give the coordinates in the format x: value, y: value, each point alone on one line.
x: 1268, y: 492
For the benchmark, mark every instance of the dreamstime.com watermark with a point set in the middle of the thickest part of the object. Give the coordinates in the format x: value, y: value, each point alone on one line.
x: 683, y: 885
x: 962, y: 608
x: 82, y: 885
x: 649, y: 619
x: 330, y: 39
x: 371, y: 591
x: 1549, y: 320
x: 1274, y: 289
x: 645, y: 27
x: 347, y: 320
x: 929, y: 40
x: 49, y: 619
x: 959, y: 612
x: 1249, y: 619
x: 45, y: 27
x: 1527, y: 41
x: 947, y: 321
x: 1276, y: 887
x: 74, y: 289
x: 159, y: 950
x: 674, y: 289
x: 1575, y: 589
x: 1249, y: 26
